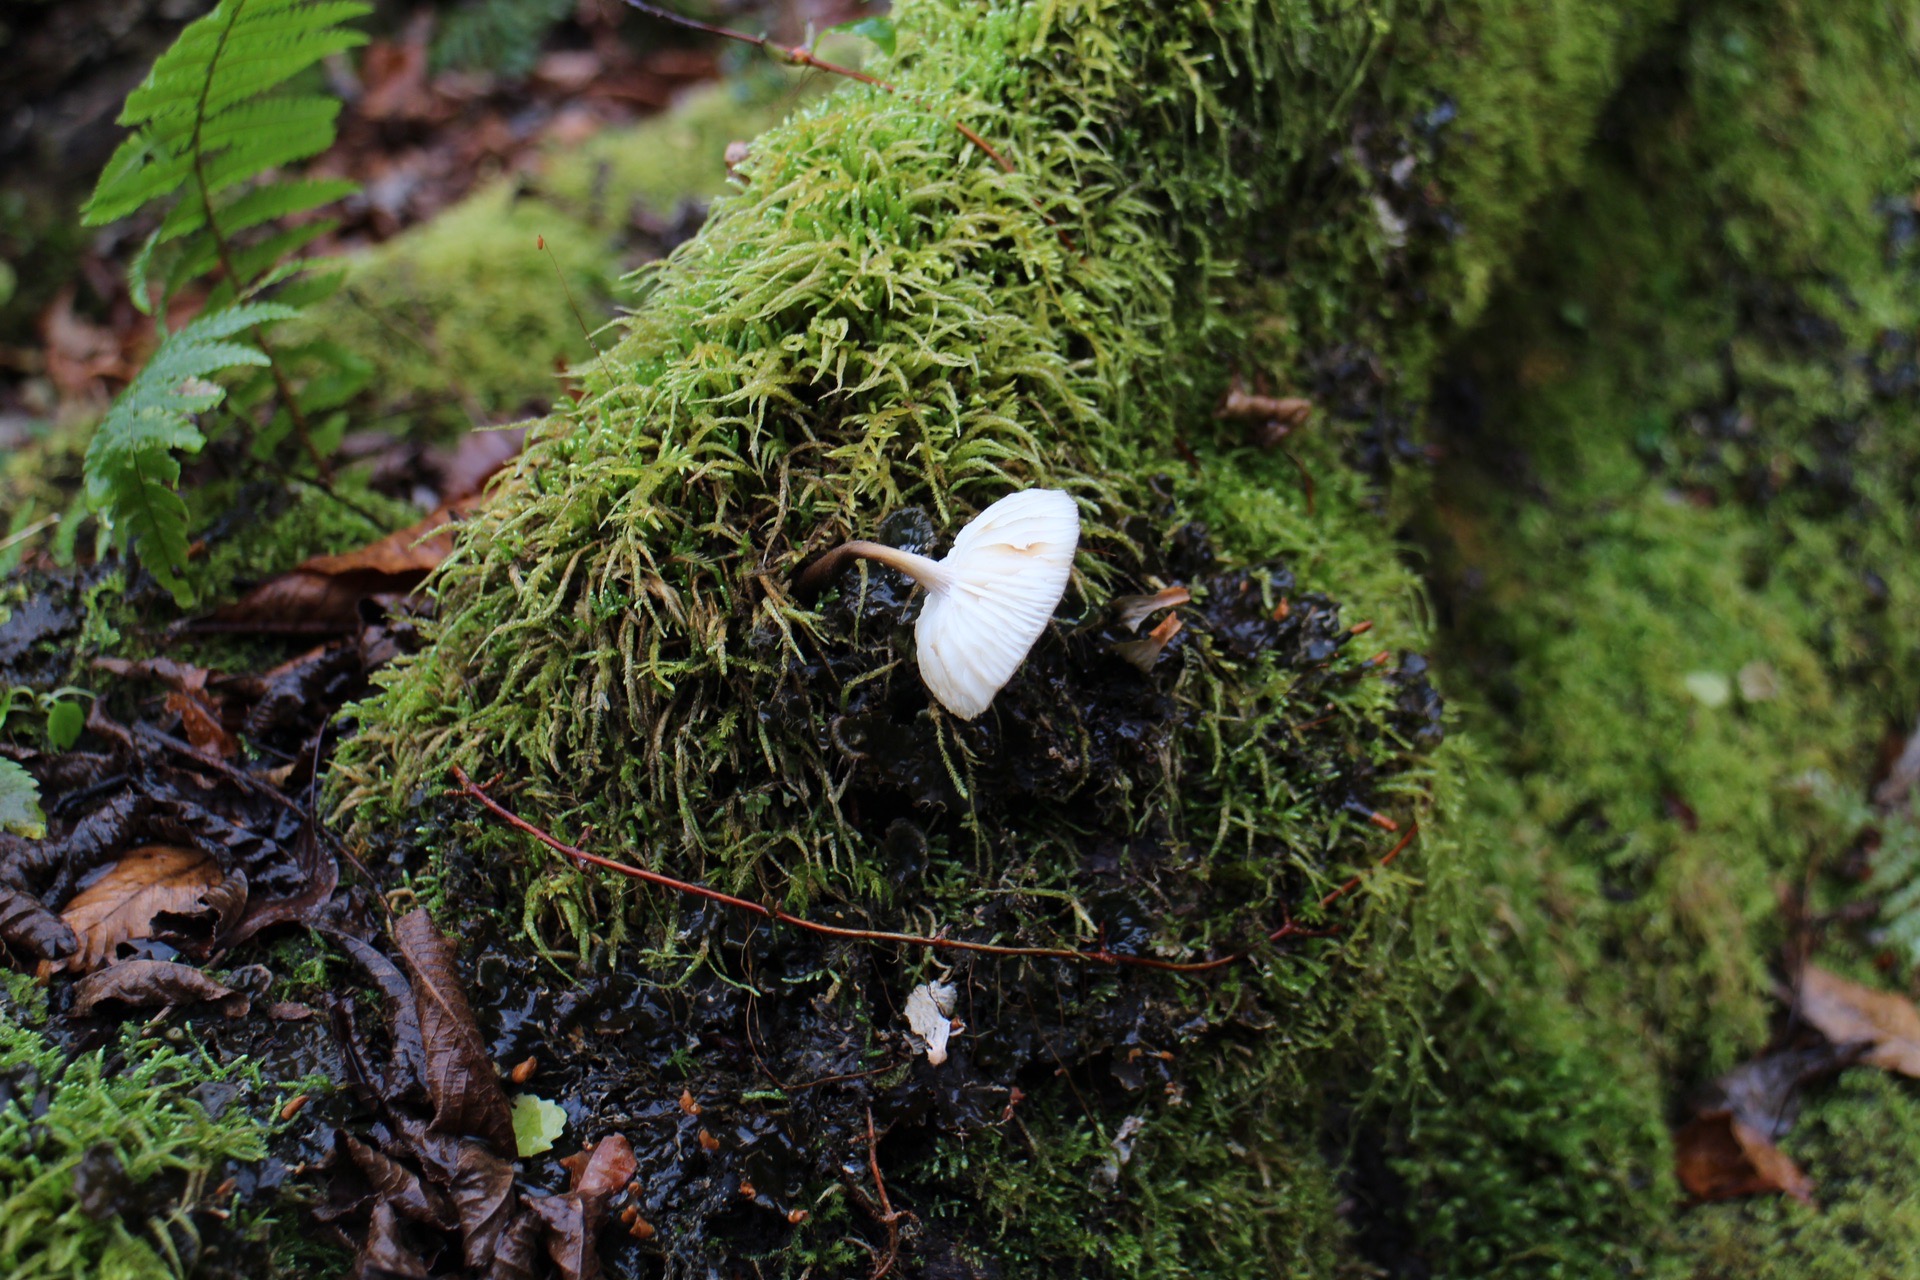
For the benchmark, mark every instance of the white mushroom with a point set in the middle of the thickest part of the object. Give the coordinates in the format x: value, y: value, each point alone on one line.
x: 989, y: 599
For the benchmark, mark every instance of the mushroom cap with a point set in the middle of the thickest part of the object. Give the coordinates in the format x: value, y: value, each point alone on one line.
x: 1000, y: 585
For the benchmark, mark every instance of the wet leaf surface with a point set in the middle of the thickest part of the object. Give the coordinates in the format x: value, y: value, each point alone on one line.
x: 460, y: 1078
x: 147, y: 984
x: 574, y: 1220
x: 125, y: 903
x: 29, y: 929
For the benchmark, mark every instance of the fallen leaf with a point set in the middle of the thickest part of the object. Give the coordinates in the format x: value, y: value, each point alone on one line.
x: 1764, y: 1094
x: 380, y: 1178
x: 320, y: 875
x: 409, y: 1052
x: 461, y: 1082
x: 537, y: 1124
x: 1758, y: 682
x: 475, y: 459
x: 27, y: 926
x: 323, y: 594
x: 609, y: 1166
x: 482, y: 1193
x: 201, y: 724
x: 514, y: 1257
x: 182, y: 677
x: 122, y: 904
x: 930, y: 1016
x: 574, y: 1220
x: 385, y: 1252
x: 1719, y: 1158
x: 1848, y: 1013
x: 145, y: 984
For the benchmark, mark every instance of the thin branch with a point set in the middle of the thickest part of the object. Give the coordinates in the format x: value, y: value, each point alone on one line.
x: 1100, y: 956
x: 801, y: 56
x: 795, y: 55
x: 888, y: 1216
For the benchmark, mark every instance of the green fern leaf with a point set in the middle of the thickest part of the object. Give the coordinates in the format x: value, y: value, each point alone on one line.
x: 132, y: 466
x: 212, y: 111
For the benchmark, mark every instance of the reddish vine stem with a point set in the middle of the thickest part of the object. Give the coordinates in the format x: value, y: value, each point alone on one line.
x: 889, y: 1217
x: 1289, y: 928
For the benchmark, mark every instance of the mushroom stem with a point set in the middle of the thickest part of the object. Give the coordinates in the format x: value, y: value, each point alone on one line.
x: 928, y: 573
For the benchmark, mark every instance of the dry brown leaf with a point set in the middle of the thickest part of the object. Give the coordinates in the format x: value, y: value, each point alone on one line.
x: 145, y: 984
x: 201, y: 723
x: 1848, y: 1013
x: 1719, y: 1158
x: 323, y: 594
x: 121, y: 905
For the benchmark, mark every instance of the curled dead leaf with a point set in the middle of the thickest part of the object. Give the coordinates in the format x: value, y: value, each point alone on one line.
x: 1146, y: 651
x: 1720, y: 1158
x: 146, y: 984
x: 323, y: 594
x: 26, y: 926
x: 1131, y: 611
x: 154, y: 880
x: 930, y: 1016
x: 201, y: 724
x: 460, y: 1077
x: 574, y: 1220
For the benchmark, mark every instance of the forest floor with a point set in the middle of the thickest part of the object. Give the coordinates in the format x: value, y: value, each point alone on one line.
x: 1659, y: 504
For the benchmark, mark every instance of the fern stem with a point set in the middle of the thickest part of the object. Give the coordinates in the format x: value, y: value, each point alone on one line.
x: 224, y: 252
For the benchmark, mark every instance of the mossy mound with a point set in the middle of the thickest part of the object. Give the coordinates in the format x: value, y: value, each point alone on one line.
x: 882, y: 322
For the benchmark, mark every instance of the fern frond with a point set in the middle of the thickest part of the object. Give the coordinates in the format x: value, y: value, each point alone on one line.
x: 132, y: 467
x: 212, y: 110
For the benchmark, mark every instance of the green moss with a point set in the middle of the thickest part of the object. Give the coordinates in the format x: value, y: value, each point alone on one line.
x: 1858, y: 1140
x: 1676, y: 537
x: 133, y: 1116
x: 879, y: 320
x: 267, y: 530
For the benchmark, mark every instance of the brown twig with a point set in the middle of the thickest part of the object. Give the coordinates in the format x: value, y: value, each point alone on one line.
x: 1100, y: 956
x: 888, y: 1216
x: 795, y: 55
x: 800, y: 56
